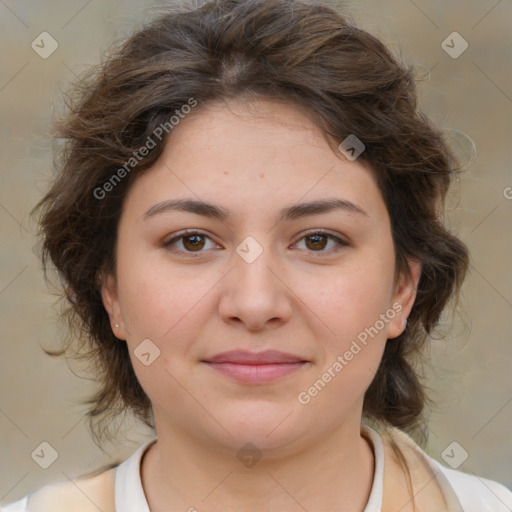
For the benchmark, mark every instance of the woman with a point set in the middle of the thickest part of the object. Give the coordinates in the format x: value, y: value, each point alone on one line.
x: 248, y: 224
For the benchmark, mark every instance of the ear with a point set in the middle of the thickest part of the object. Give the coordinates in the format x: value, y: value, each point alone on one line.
x: 403, y: 299
x: 110, y: 300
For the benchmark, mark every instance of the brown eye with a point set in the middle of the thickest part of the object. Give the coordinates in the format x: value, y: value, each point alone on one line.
x: 188, y: 242
x: 319, y: 240
x: 193, y: 242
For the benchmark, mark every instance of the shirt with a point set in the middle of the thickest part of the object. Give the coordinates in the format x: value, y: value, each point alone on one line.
x: 463, y: 492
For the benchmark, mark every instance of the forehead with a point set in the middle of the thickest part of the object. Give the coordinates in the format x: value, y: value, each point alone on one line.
x: 269, y: 129
x: 253, y: 156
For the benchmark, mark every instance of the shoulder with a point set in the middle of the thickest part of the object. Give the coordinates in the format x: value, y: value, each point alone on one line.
x: 475, y: 493
x: 16, y: 506
x: 84, y: 494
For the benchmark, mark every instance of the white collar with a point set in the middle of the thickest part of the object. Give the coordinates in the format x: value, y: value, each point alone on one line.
x: 375, y: 500
x: 130, y: 497
x: 129, y: 494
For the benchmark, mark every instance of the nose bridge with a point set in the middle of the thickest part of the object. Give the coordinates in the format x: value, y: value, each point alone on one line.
x: 255, y: 258
x: 254, y: 292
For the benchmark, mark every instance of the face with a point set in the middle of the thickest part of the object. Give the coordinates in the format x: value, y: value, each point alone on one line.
x: 257, y: 272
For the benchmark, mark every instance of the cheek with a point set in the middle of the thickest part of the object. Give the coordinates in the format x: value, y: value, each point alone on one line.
x: 155, y: 302
x: 355, y: 312
x: 350, y: 297
x: 168, y: 305
x: 350, y: 341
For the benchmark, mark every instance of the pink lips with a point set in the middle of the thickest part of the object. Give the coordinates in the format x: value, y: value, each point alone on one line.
x: 255, y: 367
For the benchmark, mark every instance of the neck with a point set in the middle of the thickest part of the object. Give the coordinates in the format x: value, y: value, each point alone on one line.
x: 181, y: 473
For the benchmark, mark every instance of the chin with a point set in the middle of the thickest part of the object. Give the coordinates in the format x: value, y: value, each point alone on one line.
x: 268, y: 426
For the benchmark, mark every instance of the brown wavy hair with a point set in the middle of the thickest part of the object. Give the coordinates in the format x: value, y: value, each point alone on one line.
x: 303, y: 52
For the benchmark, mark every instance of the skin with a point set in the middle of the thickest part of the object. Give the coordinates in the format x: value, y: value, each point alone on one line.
x: 306, y: 297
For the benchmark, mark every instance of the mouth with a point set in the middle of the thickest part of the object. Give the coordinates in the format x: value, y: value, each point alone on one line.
x: 255, y: 367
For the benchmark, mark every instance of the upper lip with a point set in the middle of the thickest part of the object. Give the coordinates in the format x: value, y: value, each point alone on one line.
x: 247, y: 357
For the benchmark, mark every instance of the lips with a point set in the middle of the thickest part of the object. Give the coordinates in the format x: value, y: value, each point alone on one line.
x: 255, y: 367
x: 255, y: 358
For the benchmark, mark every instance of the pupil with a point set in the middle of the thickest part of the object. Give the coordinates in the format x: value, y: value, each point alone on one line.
x: 316, y: 238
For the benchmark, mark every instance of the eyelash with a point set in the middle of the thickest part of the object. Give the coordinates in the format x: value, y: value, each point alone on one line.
x: 185, y: 234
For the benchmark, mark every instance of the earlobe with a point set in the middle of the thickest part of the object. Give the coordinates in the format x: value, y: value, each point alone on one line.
x: 110, y: 301
x: 405, y: 295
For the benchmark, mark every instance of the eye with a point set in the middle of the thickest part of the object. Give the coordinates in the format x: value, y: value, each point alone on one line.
x: 192, y: 241
x: 316, y: 241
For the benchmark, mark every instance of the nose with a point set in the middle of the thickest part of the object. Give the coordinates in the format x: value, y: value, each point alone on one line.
x: 255, y: 292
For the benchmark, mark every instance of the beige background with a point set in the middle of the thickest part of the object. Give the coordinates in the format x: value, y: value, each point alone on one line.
x: 471, y: 368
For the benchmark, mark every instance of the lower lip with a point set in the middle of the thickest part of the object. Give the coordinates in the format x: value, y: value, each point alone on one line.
x: 256, y: 373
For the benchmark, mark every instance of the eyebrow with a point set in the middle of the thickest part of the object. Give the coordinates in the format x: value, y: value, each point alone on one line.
x: 286, y: 214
